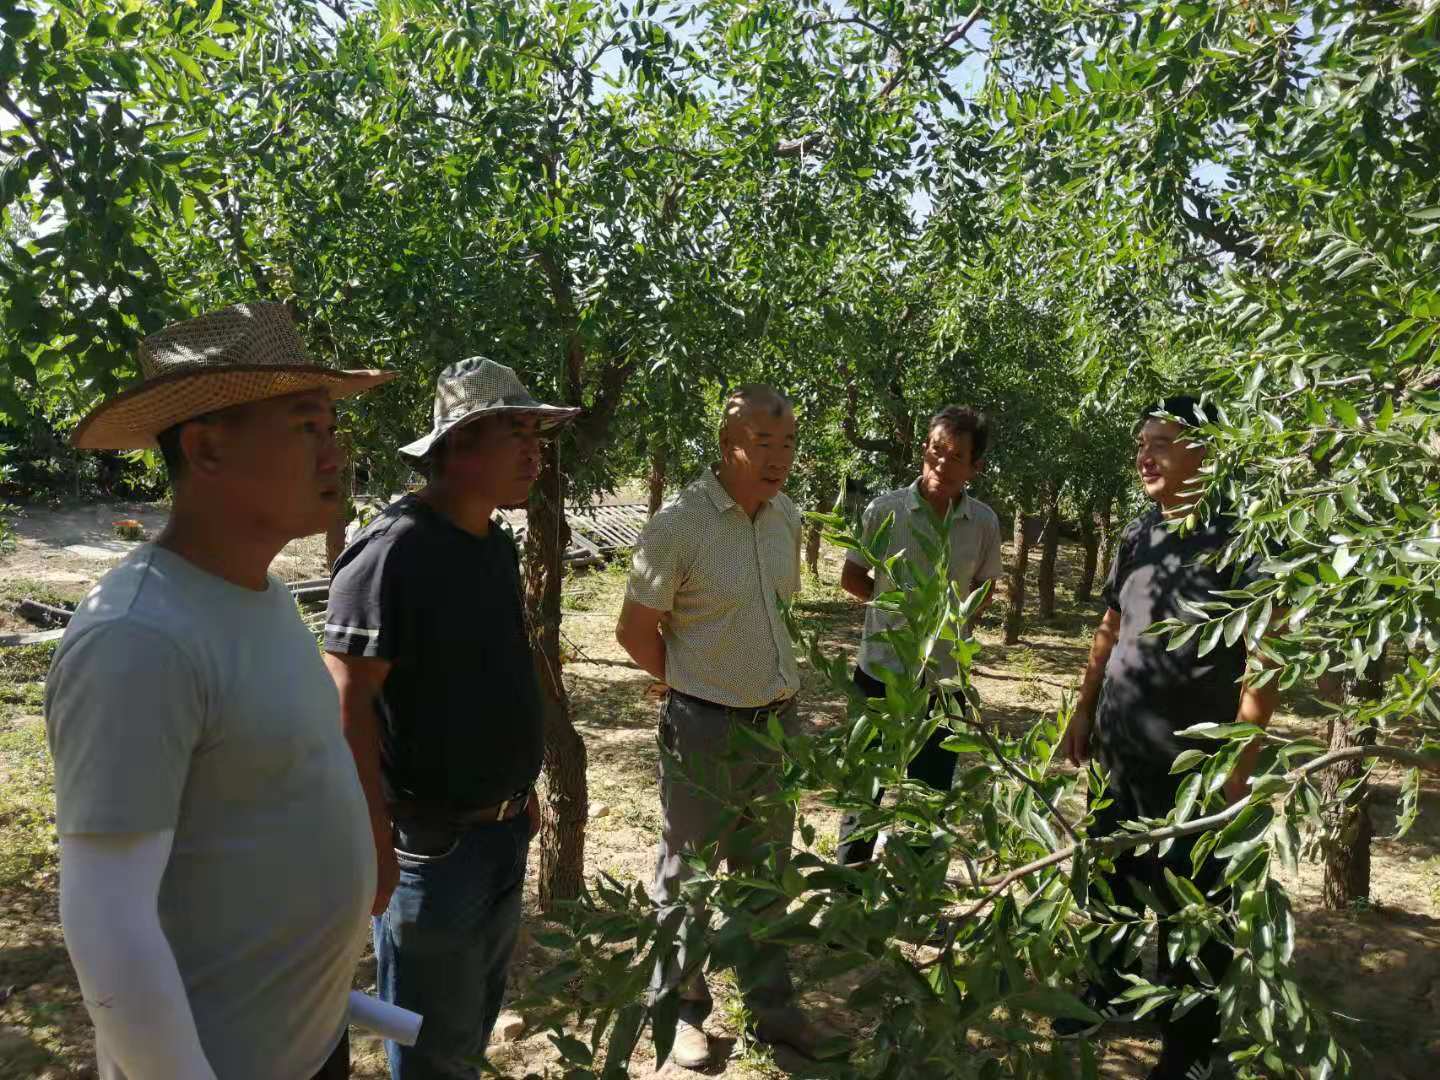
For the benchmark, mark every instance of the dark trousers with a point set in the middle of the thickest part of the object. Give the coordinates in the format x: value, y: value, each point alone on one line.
x: 443, y: 946
x: 933, y: 765
x: 337, y: 1066
x: 1193, y: 1035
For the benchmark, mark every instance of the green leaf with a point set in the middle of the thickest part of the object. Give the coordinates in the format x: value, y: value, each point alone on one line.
x: 187, y: 64
x: 572, y: 1049
x: 1186, y: 760
x: 1052, y: 1002
x: 214, y: 48
x: 1344, y: 561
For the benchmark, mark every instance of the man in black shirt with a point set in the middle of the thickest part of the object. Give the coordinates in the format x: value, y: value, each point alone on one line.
x: 1137, y: 694
x: 425, y: 639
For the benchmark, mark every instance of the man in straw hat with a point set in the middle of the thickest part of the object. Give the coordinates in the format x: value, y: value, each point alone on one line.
x: 215, y: 867
x: 440, y: 698
x: 701, y: 614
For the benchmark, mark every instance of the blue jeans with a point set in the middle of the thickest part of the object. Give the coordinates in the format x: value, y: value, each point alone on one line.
x: 443, y: 946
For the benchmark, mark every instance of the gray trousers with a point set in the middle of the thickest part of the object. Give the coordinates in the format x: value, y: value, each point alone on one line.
x: 707, y: 796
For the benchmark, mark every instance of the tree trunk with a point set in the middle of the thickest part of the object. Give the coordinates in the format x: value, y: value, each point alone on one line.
x: 657, y: 475
x: 1349, y: 827
x: 825, y: 504
x: 1015, y: 591
x: 567, y: 799
x: 1090, y: 539
x: 1049, y: 552
x: 1107, y: 537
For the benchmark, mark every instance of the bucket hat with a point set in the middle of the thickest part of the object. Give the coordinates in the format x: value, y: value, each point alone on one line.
x: 478, y: 387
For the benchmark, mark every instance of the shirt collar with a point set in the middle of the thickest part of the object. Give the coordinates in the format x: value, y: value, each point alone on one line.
x: 918, y: 500
x: 716, y: 490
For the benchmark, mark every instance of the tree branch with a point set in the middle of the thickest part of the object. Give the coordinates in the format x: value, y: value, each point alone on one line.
x: 33, y: 130
x: 799, y: 147
x: 590, y: 429
x: 980, y: 728
x: 235, y: 223
x: 1125, y: 841
x: 849, y: 426
x: 1222, y: 234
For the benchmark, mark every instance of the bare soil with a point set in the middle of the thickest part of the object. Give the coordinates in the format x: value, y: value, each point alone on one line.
x: 1378, y: 968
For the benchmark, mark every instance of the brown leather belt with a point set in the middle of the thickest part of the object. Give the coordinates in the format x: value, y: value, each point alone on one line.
x: 430, y: 814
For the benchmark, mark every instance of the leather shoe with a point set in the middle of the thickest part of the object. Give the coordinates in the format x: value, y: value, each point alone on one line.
x: 788, y: 1026
x: 691, y: 1049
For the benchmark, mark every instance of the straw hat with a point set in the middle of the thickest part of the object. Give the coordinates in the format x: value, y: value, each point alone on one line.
x: 478, y: 387
x: 239, y: 354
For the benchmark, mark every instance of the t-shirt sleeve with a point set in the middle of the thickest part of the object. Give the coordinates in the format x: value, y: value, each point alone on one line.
x: 124, y: 713
x: 990, y: 565
x: 659, y: 565
x: 869, y: 522
x: 365, y: 615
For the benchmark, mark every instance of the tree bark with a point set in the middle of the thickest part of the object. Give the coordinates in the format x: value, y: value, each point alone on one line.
x: 825, y: 504
x: 1015, y: 590
x: 1349, y: 826
x: 566, y: 794
x: 812, y: 549
x: 657, y: 474
x: 1107, y: 537
x: 1049, y: 552
x: 1090, y: 540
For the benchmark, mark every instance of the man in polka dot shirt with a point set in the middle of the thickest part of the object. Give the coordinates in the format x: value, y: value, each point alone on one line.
x: 702, y: 615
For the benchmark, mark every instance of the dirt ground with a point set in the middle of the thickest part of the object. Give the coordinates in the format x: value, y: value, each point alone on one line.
x: 1377, y: 969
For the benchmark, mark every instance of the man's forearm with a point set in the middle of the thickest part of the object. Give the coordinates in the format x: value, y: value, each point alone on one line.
x: 127, y: 972
x: 648, y: 652
x: 1257, y: 706
x: 858, y: 582
x: 1101, y: 646
x: 361, y: 723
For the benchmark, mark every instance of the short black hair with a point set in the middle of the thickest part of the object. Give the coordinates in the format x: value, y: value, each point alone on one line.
x: 1184, y: 407
x: 958, y: 419
x: 171, y: 452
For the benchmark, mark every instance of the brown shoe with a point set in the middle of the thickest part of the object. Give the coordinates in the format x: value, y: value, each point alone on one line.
x: 788, y: 1026
x: 691, y: 1049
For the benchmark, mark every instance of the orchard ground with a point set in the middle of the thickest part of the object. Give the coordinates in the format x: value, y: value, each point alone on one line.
x: 1377, y: 968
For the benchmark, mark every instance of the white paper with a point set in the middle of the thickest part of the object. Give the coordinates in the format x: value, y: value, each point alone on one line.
x: 386, y: 1020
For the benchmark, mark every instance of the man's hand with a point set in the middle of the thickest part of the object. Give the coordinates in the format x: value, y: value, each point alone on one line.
x: 387, y: 870
x: 532, y: 811
x: 1076, y: 740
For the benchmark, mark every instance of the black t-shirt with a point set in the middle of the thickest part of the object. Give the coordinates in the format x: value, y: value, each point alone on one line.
x: 460, y: 709
x: 1150, y: 693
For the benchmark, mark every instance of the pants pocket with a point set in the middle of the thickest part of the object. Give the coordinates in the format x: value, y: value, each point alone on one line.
x: 422, y: 845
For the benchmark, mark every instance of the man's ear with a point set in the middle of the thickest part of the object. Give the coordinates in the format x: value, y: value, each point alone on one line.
x: 980, y: 466
x: 202, y: 445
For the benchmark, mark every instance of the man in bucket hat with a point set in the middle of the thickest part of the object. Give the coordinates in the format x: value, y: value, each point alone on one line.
x: 215, y: 867
x: 440, y: 700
